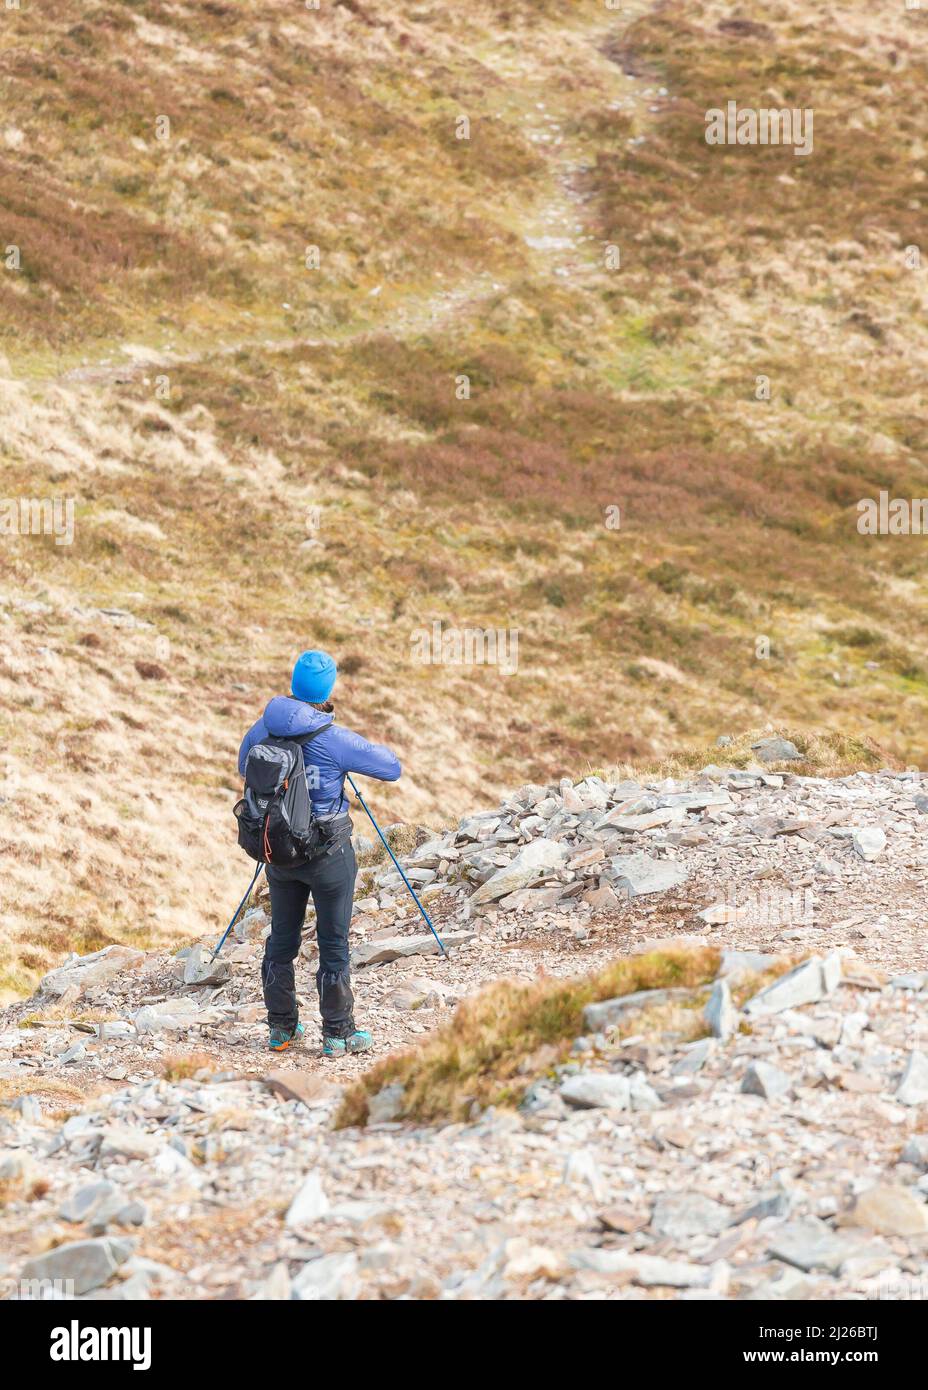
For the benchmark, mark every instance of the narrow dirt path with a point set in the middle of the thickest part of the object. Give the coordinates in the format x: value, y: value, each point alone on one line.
x: 551, y: 225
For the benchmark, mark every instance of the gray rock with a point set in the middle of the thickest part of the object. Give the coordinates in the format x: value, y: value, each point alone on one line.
x: 201, y: 969
x: 386, y: 1105
x: 694, y: 1057
x: 85, y: 1264
x: 921, y: 804
x: 609, y: 1012
x: 395, y: 947
x: 582, y: 1170
x: 135, y: 1289
x: 776, y: 750
x: 533, y: 899
x: 276, y: 1286
x: 807, y: 983
x: 771, y: 1204
x: 916, y: 1151
x: 696, y: 801
x: 589, y: 1090
x: 309, y: 1204
x: 648, y: 1270
x: 85, y: 972
x: 170, y: 1015
x: 787, y: 1284
x: 471, y: 826
x: 642, y: 1094
x: 332, y: 1277
x: 78, y: 1206
x: 915, y: 980
x: 251, y: 925
x: 681, y: 1215
x: 647, y: 820
x: 128, y: 1141
x: 764, y: 1079
x: 720, y: 1013
x: 869, y: 841
x: 116, y: 1210
x: 745, y: 963
x: 810, y: 1244
x: 602, y: 898
x: 634, y: 875
x: 890, y: 1210
x: 530, y: 864
x: 913, y: 1088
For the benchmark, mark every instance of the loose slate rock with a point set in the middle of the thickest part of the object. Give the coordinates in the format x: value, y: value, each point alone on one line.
x: 806, y: 984
x: 869, y: 841
x: 810, y: 1244
x: 916, y: 1151
x: 396, y: 947
x: 764, y: 1079
x: 306, y: 1086
x: 529, y: 865
x: 890, y: 1211
x: 201, y: 969
x: 591, y: 1090
x: 648, y: 1270
x: 913, y: 1088
x: 681, y: 1215
x: 608, y: 1012
x: 82, y: 1265
x: 309, y: 1204
x: 85, y: 972
x: 332, y: 1277
x: 776, y: 750
x: 720, y: 1013
x: 386, y: 1105
x: 634, y: 875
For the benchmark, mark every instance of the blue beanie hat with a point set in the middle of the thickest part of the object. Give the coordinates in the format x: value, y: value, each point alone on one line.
x: 313, y: 677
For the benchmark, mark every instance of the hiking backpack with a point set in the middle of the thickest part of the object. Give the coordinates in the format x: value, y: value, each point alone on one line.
x: 275, y: 817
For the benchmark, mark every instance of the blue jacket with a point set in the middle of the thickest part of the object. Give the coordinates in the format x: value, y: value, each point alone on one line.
x: 333, y: 753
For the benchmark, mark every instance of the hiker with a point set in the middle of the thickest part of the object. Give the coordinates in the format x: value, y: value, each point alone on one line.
x: 330, y: 874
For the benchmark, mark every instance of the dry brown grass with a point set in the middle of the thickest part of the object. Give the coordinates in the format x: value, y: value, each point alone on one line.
x: 497, y: 1043
x: 824, y: 754
x: 183, y: 1066
x: 46, y: 1089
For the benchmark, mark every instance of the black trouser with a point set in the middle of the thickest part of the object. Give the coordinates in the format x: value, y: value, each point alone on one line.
x: 330, y: 879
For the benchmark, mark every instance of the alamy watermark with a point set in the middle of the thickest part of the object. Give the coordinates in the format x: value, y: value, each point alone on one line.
x: 38, y: 516
x: 899, y: 516
x: 76, y: 1343
x: 764, y: 125
x: 469, y: 646
x: 767, y: 906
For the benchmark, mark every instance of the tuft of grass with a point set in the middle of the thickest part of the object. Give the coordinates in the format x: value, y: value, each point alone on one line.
x: 824, y: 754
x: 182, y: 1066
x: 488, y: 1052
x: 12, y: 1087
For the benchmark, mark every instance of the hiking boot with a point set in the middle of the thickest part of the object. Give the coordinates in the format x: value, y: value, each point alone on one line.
x: 281, y: 1038
x: 359, y: 1041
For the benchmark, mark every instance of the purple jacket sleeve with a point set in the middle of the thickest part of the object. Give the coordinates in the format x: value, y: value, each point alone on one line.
x: 354, y: 754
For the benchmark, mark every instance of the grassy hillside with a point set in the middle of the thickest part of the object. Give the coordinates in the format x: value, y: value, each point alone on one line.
x: 240, y: 350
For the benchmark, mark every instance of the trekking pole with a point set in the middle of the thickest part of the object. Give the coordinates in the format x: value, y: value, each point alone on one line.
x: 441, y: 944
x: 237, y: 911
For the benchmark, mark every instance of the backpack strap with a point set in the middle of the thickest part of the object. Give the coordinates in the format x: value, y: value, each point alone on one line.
x: 308, y: 738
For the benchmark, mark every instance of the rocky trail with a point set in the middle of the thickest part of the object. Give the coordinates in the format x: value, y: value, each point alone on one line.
x: 151, y: 1148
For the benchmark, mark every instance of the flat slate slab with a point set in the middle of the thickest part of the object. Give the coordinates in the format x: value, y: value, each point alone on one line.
x: 633, y: 875
x: 395, y: 947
